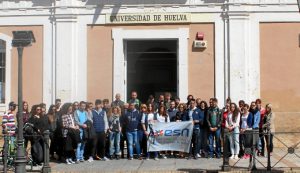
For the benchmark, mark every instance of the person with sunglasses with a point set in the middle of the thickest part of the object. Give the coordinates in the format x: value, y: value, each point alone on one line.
x: 40, y: 124
x: 52, y: 119
x: 255, y: 125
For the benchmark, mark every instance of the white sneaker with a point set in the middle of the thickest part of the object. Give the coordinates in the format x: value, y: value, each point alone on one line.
x: 231, y: 157
x: 236, y: 157
x: 198, y: 155
x: 90, y: 159
x: 68, y: 162
x: 105, y: 159
x: 164, y: 156
x: 156, y: 158
x: 71, y: 161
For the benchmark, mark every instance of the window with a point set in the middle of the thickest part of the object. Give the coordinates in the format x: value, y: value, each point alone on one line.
x: 2, y: 70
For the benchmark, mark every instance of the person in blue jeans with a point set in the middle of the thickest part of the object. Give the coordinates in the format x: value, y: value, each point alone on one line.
x: 197, y: 118
x: 214, y: 120
x: 115, y: 132
x: 132, y: 121
x: 81, y: 117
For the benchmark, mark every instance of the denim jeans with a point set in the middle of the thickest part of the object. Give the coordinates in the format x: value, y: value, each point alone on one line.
x: 155, y: 154
x: 261, y: 142
x: 143, y: 141
x: 234, y: 141
x: 214, y: 136
x: 203, y: 138
x: 114, y: 147
x: 196, y: 141
x: 132, y: 138
x: 80, y: 148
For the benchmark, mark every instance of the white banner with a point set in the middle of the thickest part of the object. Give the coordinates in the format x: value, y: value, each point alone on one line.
x: 174, y: 136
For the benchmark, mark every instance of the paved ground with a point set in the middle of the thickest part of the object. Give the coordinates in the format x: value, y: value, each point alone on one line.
x: 168, y: 165
x: 291, y: 161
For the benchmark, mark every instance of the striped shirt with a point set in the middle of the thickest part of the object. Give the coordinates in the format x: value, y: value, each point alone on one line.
x: 9, y: 124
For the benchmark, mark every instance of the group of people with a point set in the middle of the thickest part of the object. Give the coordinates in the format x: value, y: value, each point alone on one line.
x: 100, y: 131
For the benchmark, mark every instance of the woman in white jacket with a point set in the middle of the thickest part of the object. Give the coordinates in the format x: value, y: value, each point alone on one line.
x: 232, y: 123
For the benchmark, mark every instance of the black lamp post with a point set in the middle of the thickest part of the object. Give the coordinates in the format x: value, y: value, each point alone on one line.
x: 20, y: 40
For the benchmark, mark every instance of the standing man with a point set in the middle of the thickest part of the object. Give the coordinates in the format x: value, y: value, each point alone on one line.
x: 197, y: 119
x: 57, y: 104
x: 9, y: 120
x: 118, y: 101
x: 100, y: 123
x: 132, y: 121
x: 135, y: 100
x: 214, y: 121
x: 177, y: 101
x: 172, y: 111
x: 168, y: 96
x: 81, y: 117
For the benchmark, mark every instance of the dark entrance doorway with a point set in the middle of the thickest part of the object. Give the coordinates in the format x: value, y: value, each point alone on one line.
x: 151, y: 67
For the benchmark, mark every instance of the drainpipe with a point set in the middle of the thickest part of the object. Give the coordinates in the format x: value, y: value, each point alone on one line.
x: 53, y: 51
x: 226, y: 49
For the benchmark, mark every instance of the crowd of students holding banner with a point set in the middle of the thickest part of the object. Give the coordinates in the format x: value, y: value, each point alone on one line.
x: 100, y: 131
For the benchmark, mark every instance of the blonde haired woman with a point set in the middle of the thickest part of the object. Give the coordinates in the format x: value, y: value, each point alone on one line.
x: 269, y: 126
x: 115, y: 132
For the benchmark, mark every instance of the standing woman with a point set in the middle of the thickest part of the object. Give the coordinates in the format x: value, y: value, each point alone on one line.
x: 52, y: 119
x: 75, y: 106
x: 40, y: 124
x: 225, y: 138
x: 232, y: 124
x: 26, y: 116
x: 115, y: 133
x: 70, y: 132
x: 163, y: 117
x: 180, y: 116
x: 90, y: 134
x: 149, y: 118
x: 269, y: 127
x: 246, y: 123
x: 162, y: 114
x: 204, y: 129
x: 141, y: 136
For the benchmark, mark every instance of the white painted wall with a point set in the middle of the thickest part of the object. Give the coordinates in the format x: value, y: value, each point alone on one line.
x: 65, y: 39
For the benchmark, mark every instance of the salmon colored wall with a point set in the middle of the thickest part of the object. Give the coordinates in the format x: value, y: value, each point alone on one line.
x: 100, y: 60
x: 32, y: 66
x: 201, y: 63
x: 280, y: 64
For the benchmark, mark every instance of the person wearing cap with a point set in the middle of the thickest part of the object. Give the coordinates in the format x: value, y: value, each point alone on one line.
x: 100, y: 123
x: 8, y: 120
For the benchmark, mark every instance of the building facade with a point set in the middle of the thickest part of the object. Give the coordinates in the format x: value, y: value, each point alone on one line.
x: 88, y: 49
